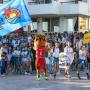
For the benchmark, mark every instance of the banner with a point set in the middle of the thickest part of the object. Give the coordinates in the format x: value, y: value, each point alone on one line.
x: 13, y: 15
x: 86, y: 38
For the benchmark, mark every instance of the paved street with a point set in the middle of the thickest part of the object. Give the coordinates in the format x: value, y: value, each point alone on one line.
x: 15, y: 82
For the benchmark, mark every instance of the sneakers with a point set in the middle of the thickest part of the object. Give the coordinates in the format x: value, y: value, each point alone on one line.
x: 88, y: 77
x: 46, y: 78
x: 38, y: 78
x: 25, y: 73
x: 78, y: 76
x: 54, y: 76
x: 3, y: 75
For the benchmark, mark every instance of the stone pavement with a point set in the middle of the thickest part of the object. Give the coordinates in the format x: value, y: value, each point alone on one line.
x: 27, y: 82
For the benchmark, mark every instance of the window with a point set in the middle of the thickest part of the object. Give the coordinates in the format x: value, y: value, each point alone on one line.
x: 83, y: 24
x: 80, y: 0
x: 33, y: 26
x: 39, y: 1
x: 45, y: 26
x: 5, y: 1
x: 70, y: 25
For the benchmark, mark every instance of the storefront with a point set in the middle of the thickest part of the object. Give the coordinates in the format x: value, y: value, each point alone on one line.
x: 61, y: 24
x: 84, y: 24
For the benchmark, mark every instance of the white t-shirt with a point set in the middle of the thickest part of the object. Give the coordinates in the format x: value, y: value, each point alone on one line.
x: 56, y: 52
x: 0, y: 43
x: 68, y: 50
x: 63, y: 40
x: 9, y: 56
x: 47, y: 60
x: 16, y: 52
x: 15, y: 43
x: 24, y: 53
x: 77, y: 45
x: 70, y: 54
x: 29, y: 39
x: 4, y: 40
x: 80, y: 43
x: 82, y: 54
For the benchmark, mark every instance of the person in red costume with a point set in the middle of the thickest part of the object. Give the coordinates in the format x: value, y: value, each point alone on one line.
x: 40, y: 42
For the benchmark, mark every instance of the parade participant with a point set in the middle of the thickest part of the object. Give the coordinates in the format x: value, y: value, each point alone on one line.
x: 3, y: 58
x: 82, y: 62
x: 63, y: 41
x: 15, y: 42
x: 4, y: 49
x: 24, y: 54
x: 30, y: 59
x: 29, y: 39
x: 69, y: 52
x: 9, y: 56
x: 56, y: 52
x: 16, y: 59
x: 48, y: 57
x: 40, y: 42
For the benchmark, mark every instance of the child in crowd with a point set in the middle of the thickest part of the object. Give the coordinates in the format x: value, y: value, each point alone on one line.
x: 82, y: 62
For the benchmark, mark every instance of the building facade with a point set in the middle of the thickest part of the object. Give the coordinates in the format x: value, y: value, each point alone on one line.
x: 59, y: 15
x: 3, y: 1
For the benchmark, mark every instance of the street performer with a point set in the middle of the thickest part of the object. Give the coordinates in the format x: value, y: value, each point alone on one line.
x: 39, y: 44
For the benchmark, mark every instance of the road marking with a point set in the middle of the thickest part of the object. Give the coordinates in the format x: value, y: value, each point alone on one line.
x: 36, y: 89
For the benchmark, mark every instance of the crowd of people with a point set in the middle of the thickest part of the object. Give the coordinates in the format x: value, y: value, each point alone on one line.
x: 17, y: 55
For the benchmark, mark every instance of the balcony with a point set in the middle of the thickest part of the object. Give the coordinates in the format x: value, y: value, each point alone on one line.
x: 58, y: 9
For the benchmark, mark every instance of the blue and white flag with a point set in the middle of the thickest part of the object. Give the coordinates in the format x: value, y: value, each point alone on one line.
x: 13, y: 15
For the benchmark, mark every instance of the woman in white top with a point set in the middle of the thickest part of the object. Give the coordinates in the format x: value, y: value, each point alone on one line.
x: 24, y: 55
x: 70, y: 54
x: 17, y: 60
x: 82, y: 62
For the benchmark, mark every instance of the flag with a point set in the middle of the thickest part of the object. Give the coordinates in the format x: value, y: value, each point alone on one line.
x: 13, y: 15
x: 86, y: 38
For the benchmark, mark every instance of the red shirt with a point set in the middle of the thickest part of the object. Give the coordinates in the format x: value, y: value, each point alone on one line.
x: 40, y: 52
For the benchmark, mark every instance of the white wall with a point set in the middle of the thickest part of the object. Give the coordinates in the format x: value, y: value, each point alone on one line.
x: 83, y: 8
x: 44, y: 9
x: 89, y: 6
x: 59, y: 9
x: 69, y: 9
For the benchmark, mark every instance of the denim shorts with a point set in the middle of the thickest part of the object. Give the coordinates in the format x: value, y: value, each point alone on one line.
x: 81, y: 63
x: 55, y: 62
